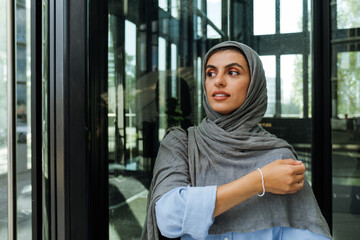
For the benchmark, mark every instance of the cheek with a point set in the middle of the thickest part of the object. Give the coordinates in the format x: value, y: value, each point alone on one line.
x: 206, y: 87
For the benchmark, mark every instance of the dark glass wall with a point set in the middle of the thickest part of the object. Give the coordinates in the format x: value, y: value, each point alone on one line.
x: 345, y: 117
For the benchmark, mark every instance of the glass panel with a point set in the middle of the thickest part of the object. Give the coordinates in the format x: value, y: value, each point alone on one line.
x: 175, y: 8
x: 292, y: 86
x: 173, y: 70
x: 161, y: 88
x: 346, y: 147
x: 291, y: 16
x: 45, y: 125
x: 213, y: 10
x: 163, y: 4
x: 3, y: 123
x: 264, y: 17
x: 348, y: 14
x: 345, y: 121
x: 23, y: 126
x: 269, y: 63
x: 199, y: 27
x: 130, y: 95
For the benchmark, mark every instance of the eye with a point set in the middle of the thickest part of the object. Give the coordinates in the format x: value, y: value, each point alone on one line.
x: 210, y: 74
x: 233, y: 73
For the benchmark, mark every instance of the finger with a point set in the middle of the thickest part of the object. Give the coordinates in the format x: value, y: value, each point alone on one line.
x: 299, y: 178
x: 297, y: 186
x: 299, y: 169
x: 291, y: 161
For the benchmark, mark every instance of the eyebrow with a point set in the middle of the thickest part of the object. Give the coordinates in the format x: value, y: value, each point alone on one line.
x: 227, y: 66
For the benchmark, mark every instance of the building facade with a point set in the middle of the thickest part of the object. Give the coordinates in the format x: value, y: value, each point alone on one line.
x: 89, y: 87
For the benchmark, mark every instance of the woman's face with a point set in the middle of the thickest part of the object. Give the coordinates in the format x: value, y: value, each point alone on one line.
x: 227, y: 80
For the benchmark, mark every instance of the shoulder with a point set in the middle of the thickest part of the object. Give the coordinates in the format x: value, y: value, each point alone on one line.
x: 175, y: 133
x: 282, y: 153
x: 175, y: 139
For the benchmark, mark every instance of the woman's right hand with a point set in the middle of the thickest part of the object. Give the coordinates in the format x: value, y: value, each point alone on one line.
x: 284, y: 176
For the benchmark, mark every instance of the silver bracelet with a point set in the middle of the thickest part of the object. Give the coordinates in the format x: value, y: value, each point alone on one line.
x: 262, y: 181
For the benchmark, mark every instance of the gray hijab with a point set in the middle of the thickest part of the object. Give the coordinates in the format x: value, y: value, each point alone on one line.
x: 224, y: 148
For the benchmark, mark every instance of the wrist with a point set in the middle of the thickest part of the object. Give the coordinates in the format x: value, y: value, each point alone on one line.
x: 262, y: 192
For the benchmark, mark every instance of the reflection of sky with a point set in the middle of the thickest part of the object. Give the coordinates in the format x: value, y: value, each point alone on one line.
x: 264, y: 17
x: 290, y: 16
x: 130, y: 39
x: 214, y: 14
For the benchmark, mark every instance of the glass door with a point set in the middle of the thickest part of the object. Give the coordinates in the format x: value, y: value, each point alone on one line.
x: 345, y: 121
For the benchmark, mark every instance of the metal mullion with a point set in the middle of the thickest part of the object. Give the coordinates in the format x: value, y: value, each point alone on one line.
x: 277, y: 16
x: 278, y: 87
x: 52, y: 121
x: 11, y: 71
x: 36, y: 123
x: 321, y: 111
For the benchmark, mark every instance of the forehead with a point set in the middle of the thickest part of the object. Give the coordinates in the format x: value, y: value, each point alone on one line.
x: 224, y: 57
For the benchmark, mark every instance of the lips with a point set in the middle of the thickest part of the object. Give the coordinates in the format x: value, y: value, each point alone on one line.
x: 220, y: 95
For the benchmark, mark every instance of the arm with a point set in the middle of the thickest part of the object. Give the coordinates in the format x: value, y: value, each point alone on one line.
x: 181, y: 210
x: 186, y: 211
x: 280, y: 177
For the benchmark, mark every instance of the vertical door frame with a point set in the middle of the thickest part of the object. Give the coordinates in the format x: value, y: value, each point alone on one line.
x: 321, y: 148
x: 68, y: 126
x: 11, y: 106
x: 36, y: 120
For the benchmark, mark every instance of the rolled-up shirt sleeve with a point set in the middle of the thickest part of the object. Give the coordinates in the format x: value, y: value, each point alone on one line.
x: 186, y: 211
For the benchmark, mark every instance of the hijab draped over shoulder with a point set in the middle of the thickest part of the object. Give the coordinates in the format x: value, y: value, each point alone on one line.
x: 224, y: 148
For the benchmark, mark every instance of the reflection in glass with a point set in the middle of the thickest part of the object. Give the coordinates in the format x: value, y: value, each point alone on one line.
x: 161, y: 91
x: 269, y: 64
x: 291, y: 85
x: 163, y: 4
x: 348, y: 14
x: 130, y: 95
x: 45, y: 125
x: 264, y: 17
x: 23, y: 117
x: 213, y: 11
x: 3, y: 123
x: 346, y: 147
x: 291, y: 16
x: 175, y: 7
x: 348, y: 84
x: 345, y: 122
x: 173, y: 70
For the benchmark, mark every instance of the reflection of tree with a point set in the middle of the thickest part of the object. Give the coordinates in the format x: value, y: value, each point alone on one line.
x: 130, y: 75
x: 348, y: 84
x: 348, y: 13
x: 297, y: 99
x: 296, y: 105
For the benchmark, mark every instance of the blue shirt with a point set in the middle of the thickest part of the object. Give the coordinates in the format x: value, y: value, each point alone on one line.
x: 190, y: 218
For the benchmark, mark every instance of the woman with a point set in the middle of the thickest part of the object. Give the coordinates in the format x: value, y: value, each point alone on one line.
x: 228, y: 178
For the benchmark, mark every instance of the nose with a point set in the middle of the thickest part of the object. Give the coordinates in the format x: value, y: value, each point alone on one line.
x: 220, y: 81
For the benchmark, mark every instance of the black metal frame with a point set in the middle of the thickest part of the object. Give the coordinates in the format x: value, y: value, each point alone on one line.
x: 36, y: 122
x: 12, y: 166
x: 68, y: 119
x: 98, y: 185
x: 321, y: 149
